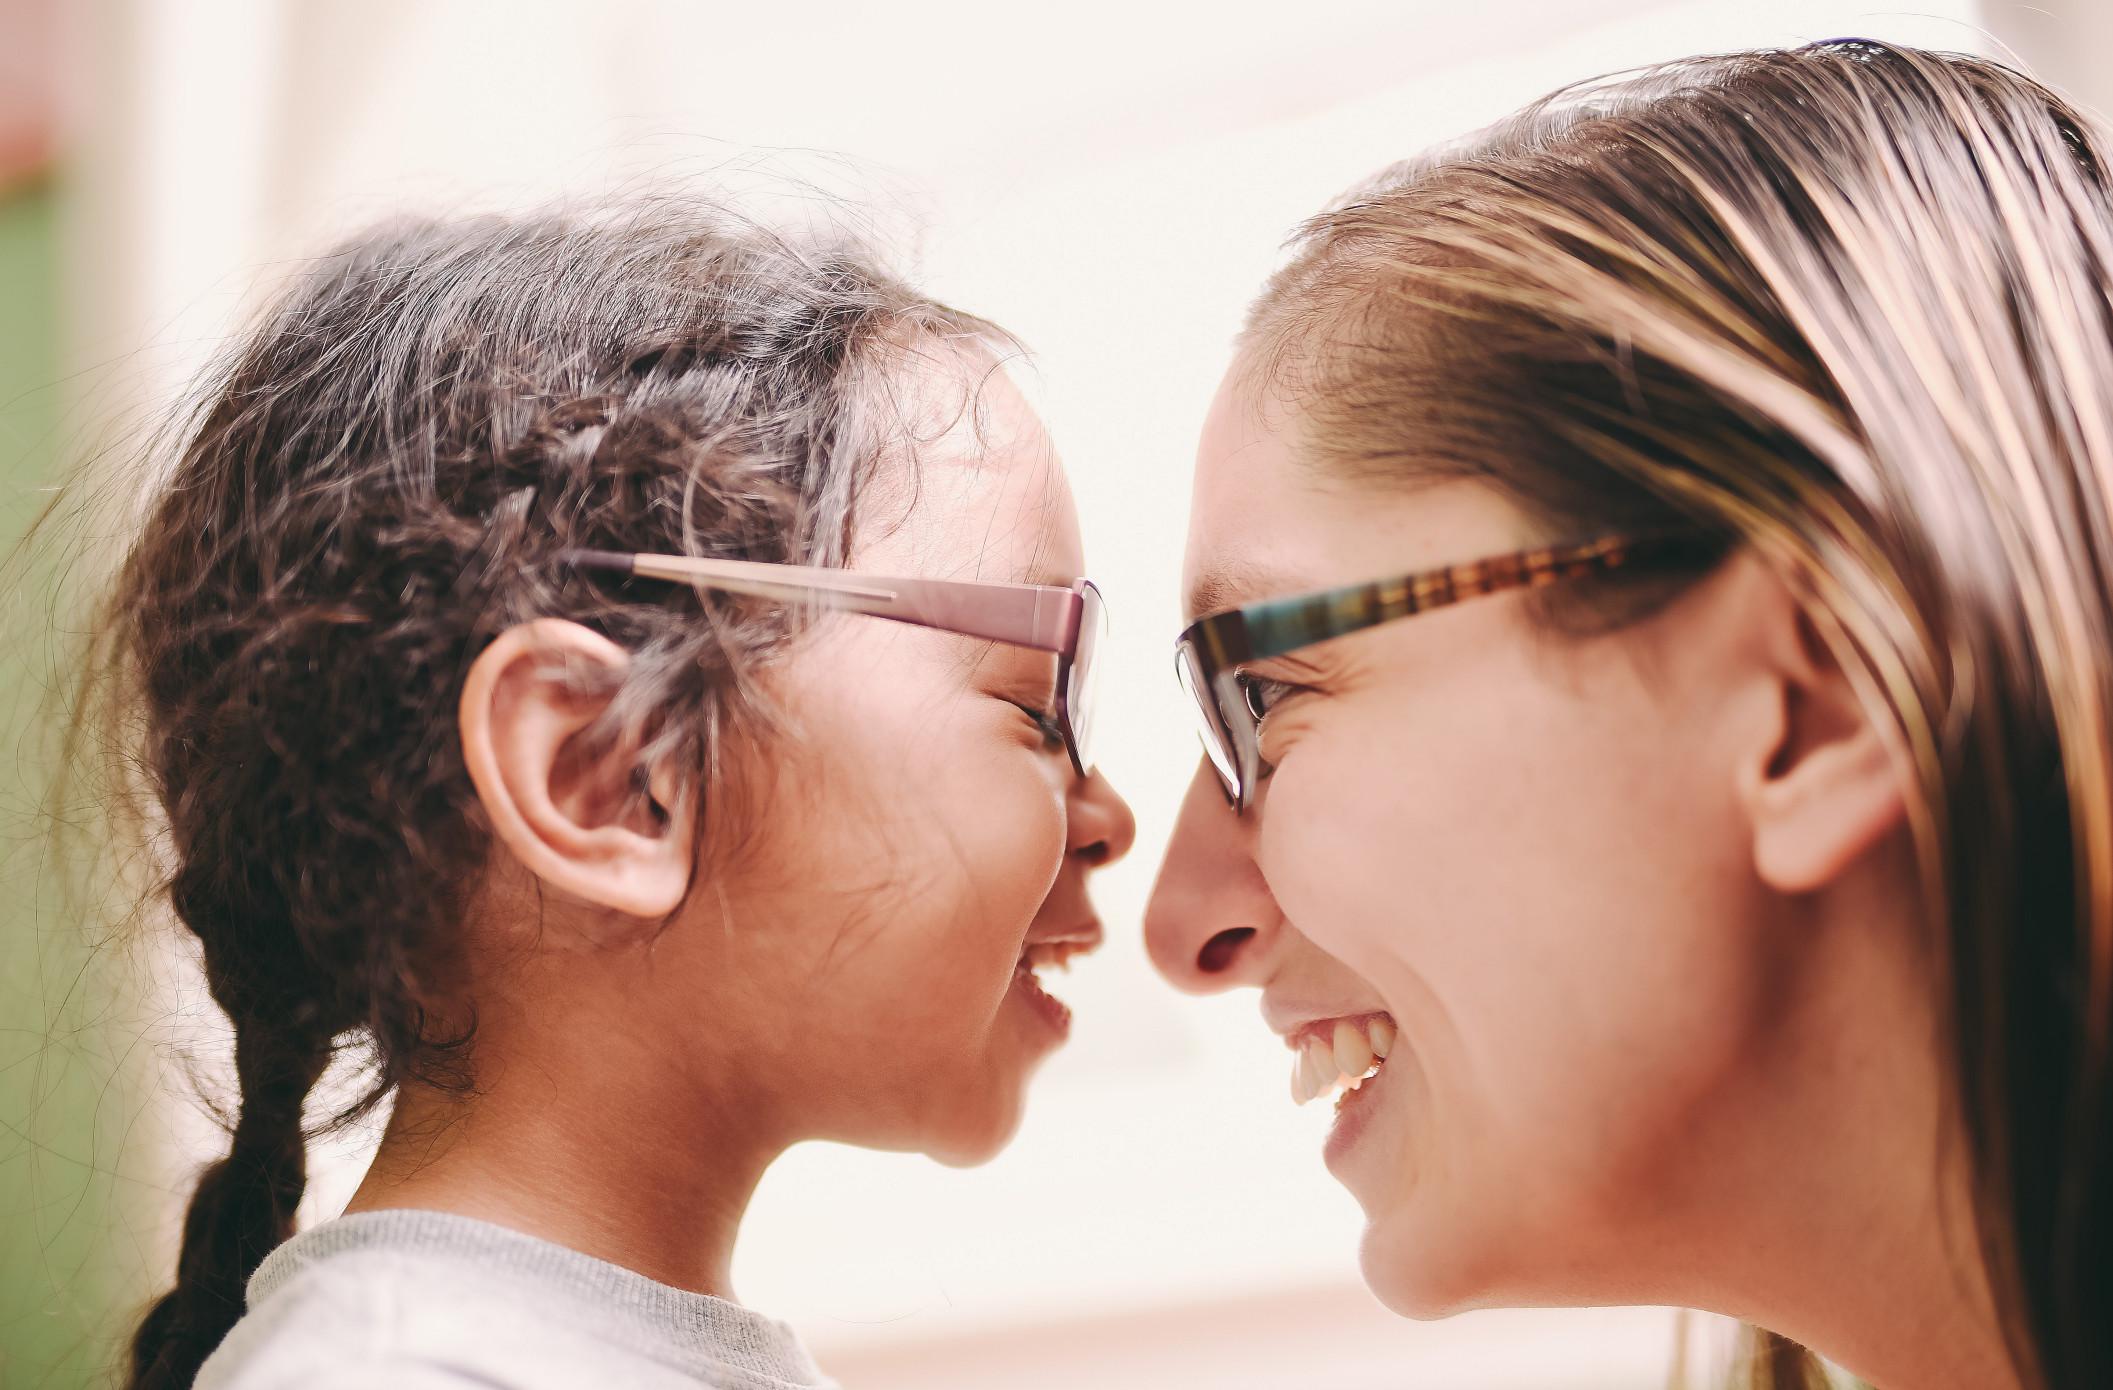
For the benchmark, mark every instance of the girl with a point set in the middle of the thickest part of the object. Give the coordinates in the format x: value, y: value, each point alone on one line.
x: 1712, y: 888
x: 626, y: 674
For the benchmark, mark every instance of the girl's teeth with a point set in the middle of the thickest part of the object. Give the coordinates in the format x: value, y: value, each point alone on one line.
x: 1048, y: 953
x: 1382, y: 1036
x: 1353, y: 1055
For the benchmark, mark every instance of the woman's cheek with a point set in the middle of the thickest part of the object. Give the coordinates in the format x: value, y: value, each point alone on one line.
x: 1330, y: 815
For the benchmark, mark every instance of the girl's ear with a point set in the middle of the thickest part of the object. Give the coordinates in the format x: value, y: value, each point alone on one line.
x: 1820, y: 781
x: 583, y: 820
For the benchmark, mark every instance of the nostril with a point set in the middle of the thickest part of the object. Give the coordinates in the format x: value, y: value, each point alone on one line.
x: 1095, y: 854
x: 1218, y: 952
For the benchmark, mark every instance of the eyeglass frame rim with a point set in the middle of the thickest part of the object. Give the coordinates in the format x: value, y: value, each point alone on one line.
x: 1219, y: 643
x: 994, y: 610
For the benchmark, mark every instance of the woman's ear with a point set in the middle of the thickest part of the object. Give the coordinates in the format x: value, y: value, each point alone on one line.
x: 588, y: 822
x: 1821, y: 783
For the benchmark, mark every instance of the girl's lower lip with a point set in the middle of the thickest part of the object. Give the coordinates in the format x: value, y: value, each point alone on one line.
x: 1353, y: 1114
x: 1045, y: 1005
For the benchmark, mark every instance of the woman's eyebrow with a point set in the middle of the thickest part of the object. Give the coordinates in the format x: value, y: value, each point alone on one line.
x: 1233, y: 583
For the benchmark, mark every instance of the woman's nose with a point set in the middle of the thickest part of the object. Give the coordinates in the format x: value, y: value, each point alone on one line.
x: 1211, y: 923
x: 1101, y: 826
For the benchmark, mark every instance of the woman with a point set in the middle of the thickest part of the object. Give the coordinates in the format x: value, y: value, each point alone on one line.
x: 625, y: 676
x: 1718, y: 908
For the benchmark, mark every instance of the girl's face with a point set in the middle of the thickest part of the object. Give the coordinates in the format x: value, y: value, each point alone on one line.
x: 927, y: 845
x: 1523, y: 853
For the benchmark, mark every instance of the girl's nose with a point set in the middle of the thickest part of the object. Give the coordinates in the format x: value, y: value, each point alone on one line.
x: 1102, y: 828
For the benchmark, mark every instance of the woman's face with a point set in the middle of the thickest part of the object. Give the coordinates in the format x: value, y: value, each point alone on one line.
x: 927, y: 844
x: 1519, y: 850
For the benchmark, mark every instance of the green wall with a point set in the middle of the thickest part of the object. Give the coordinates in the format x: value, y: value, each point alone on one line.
x: 65, y: 1112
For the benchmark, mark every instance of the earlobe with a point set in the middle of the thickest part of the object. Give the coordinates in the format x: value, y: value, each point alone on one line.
x: 1828, y: 786
x: 570, y: 812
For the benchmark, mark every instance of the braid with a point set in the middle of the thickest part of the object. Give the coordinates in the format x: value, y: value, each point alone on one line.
x: 243, y: 1207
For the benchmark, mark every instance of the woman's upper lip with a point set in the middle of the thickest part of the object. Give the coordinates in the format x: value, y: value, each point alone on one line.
x: 1293, y: 1019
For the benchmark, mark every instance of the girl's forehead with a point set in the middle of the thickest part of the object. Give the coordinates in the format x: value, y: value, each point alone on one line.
x: 979, y: 492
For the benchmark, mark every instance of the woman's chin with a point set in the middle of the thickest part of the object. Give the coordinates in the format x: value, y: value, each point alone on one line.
x: 1411, y: 1276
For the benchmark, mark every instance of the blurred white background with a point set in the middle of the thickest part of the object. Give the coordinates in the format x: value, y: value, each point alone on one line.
x: 1111, y: 181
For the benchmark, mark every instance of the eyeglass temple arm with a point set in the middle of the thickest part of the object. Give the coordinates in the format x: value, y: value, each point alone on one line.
x: 1273, y: 627
x: 1027, y: 615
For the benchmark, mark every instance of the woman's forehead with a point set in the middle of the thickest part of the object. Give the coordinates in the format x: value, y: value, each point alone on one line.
x: 1238, y: 507
x: 1264, y: 522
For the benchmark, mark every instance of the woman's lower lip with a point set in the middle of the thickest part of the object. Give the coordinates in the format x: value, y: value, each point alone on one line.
x: 1043, y: 1004
x: 1353, y: 1115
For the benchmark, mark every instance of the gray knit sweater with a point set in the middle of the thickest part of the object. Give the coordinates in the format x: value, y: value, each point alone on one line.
x: 420, y: 1300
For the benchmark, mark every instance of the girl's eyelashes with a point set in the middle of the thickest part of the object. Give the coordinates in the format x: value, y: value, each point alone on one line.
x: 1045, y: 721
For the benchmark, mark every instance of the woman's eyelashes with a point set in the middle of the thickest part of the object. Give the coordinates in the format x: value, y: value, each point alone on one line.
x: 1262, y: 694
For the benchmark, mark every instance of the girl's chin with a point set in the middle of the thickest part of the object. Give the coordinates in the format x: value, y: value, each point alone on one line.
x: 976, y: 1139
x: 973, y: 1118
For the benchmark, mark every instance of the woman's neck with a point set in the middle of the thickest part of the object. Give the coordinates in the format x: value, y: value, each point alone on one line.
x: 1910, y: 1310
x: 583, y: 1153
x: 1860, y: 1238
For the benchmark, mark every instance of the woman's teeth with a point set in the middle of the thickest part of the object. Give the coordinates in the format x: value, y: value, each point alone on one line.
x: 1346, y: 1056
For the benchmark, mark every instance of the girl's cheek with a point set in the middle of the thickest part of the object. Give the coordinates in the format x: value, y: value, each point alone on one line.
x: 1006, y: 818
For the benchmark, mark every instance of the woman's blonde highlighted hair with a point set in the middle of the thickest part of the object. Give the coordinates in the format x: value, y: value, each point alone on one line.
x: 1846, y: 305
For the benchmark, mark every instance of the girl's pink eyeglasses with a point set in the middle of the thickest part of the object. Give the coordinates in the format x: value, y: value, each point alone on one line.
x: 1067, y: 620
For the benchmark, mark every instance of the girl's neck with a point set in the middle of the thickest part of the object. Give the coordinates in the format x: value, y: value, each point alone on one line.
x: 598, y: 1166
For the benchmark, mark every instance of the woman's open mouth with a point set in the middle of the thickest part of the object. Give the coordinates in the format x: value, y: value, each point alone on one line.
x: 1339, y: 1053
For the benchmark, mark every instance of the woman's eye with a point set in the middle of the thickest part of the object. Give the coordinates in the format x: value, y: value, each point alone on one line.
x: 1263, y: 694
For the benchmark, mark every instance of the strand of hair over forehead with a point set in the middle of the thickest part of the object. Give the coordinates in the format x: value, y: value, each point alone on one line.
x: 2001, y: 220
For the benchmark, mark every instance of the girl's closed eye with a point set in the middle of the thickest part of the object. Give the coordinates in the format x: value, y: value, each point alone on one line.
x: 1029, y: 686
x: 1044, y: 721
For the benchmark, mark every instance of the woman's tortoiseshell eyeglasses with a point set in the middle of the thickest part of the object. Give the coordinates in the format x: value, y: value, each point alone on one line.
x: 1211, y: 654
